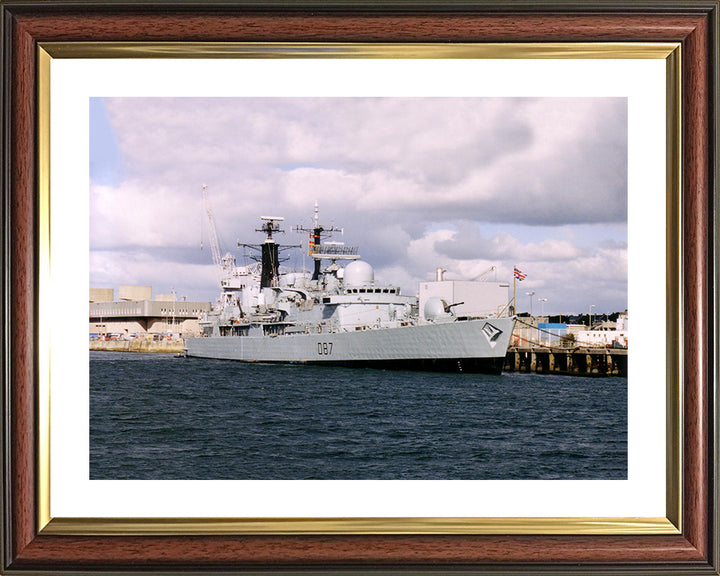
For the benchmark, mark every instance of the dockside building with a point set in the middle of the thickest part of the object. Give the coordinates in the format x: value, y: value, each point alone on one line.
x: 136, y: 314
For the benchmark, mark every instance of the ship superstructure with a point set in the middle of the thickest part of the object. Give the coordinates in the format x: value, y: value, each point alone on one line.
x: 340, y: 315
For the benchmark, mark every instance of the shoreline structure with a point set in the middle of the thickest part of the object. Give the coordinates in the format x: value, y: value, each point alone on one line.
x: 583, y: 361
x: 139, y: 345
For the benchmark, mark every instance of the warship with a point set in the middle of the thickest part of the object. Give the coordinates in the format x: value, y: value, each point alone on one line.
x: 338, y: 314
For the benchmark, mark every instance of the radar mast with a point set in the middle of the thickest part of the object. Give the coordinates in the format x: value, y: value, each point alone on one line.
x: 269, y: 251
x: 325, y: 251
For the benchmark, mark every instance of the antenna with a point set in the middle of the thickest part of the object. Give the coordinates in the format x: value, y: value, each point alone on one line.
x: 269, y: 251
x: 319, y: 250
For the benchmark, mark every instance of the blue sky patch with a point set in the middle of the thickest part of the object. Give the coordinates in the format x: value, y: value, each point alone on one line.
x: 105, y: 156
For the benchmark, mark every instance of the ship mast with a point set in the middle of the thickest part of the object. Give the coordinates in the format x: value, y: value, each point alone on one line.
x: 269, y: 250
x: 317, y: 233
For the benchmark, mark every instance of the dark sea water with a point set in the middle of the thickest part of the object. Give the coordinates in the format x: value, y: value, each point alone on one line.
x: 154, y: 416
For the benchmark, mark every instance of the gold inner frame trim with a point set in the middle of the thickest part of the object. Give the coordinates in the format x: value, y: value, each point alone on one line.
x: 595, y: 50
x: 289, y: 526
x: 435, y: 525
x: 673, y: 288
x: 44, y: 302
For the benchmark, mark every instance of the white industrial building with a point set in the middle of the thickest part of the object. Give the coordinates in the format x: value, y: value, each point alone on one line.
x: 136, y: 315
x: 466, y: 298
x: 606, y: 334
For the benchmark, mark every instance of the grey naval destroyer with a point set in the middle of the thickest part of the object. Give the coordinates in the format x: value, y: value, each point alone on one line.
x: 337, y: 314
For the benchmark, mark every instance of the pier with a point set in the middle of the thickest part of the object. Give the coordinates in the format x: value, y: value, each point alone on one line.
x: 139, y: 345
x: 579, y: 361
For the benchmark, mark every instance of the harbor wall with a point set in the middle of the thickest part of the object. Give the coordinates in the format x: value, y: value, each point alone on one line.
x: 162, y: 346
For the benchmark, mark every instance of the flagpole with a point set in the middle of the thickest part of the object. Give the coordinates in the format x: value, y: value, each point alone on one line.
x: 514, y: 288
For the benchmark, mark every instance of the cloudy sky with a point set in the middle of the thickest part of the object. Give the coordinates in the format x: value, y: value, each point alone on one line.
x: 416, y: 183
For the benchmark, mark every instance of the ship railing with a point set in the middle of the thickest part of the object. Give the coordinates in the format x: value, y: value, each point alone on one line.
x: 337, y: 249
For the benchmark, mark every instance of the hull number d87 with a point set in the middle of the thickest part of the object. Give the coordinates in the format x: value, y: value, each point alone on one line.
x: 325, y: 348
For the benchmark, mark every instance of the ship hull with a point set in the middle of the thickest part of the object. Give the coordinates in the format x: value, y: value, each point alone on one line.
x: 466, y: 346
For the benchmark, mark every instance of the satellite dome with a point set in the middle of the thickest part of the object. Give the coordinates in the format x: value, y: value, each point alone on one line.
x: 358, y: 273
x: 435, y: 309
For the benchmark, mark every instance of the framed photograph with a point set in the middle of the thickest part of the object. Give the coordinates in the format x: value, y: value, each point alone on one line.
x: 574, y: 142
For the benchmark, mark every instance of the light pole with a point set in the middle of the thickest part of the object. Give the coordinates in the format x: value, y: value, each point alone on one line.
x: 542, y: 306
x: 590, y: 320
x: 531, y: 294
x: 172, y: 333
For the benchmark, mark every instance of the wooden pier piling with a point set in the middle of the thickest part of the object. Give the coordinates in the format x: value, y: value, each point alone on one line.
x: 580, y: 361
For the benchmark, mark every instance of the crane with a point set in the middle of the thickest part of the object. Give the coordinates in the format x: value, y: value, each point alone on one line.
x: 212, y: 232
x: 227, y: 262
x: 486, y: 273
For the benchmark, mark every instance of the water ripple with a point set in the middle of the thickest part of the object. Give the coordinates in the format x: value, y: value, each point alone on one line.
x: 157, y: 417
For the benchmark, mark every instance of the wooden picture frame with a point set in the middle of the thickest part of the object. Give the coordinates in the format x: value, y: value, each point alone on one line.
x: 29, y: 548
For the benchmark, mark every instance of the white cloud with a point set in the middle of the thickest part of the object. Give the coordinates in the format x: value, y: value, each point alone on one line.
x: 134, y: 215
x: 112, y: 269
x: 558, y: 270
x: 391, y: 171
x: 500, y: 158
